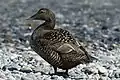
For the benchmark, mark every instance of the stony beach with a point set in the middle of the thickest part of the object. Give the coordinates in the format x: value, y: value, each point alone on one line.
x: 96, y: 23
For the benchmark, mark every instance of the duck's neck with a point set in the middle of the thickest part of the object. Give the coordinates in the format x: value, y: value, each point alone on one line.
x: 41, y: 29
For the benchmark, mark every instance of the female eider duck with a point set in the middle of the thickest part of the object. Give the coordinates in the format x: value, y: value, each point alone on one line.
x: 57, y: 46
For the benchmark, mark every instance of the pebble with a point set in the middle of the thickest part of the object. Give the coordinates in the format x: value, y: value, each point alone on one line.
x: 110, y: 74
x: 26, y: 69
x: 90, y: 70
x: 2, y: 76
x: 102, y: 70
x: 117, y: 73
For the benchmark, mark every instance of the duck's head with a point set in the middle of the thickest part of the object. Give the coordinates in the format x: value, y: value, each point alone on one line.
x: 43, y: 14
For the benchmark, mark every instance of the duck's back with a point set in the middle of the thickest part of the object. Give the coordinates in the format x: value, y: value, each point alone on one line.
x: 59, y: 48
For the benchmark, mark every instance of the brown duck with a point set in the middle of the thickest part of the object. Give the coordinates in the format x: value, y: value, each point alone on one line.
x: 57, y: 46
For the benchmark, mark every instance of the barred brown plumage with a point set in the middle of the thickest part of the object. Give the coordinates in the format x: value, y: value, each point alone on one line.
x: 57, y: 46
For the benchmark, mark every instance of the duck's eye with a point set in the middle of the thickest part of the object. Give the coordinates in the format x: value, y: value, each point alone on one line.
x: 42, y: 11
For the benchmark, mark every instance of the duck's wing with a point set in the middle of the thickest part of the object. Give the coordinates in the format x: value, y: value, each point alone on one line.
x: 65, y: 44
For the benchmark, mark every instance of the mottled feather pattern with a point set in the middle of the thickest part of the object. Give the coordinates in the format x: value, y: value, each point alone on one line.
x: 52, y: 57
x: 46, y: 53
x: 59, y: 35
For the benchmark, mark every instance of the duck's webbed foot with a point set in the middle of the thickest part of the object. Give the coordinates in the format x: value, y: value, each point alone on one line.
x: 64, y: 74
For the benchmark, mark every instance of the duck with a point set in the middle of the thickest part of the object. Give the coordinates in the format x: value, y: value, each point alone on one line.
x: 55, y: 45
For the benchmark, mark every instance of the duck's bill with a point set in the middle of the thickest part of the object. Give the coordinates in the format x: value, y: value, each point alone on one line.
x: 34, y: 17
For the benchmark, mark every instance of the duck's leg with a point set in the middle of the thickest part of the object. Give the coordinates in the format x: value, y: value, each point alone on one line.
x: 55, y: 70
x: 66, y: 72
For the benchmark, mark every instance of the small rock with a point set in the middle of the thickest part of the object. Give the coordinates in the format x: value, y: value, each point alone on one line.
x: 12, y: 68
x: 90, y: 69
x: 26, y: 69
x: 101, y: 70
x: 117, y: 73
x: 76, y: 73
x: 25, y: 78
x: 4, y: 68
x: 110, y: 74
x: 117, y: 29
x: 94, y: 77
x: 2, y: 76
x: 104, y: 28
x: 38, y: 74
x: 13, y: 56
x: 10, y: 77
x: 104, y: 78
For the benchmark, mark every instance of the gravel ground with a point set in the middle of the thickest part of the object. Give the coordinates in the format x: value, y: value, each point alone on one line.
x: 96, y: 23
